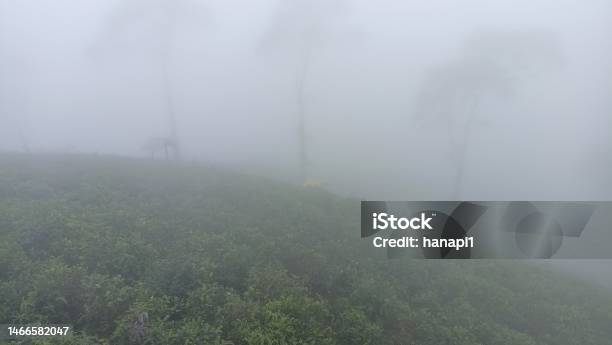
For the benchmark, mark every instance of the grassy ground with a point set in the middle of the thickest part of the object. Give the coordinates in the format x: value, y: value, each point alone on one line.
x: 145, y: 252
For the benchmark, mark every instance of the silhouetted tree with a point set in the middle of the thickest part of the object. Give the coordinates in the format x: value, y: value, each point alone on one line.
x: 159, y: 21
x: 492, y: 66
x: 300, y: 27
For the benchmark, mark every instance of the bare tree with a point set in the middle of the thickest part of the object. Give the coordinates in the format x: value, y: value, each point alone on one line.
x: 160, y: 21
x: 299, y: 29
x: 492, y: 66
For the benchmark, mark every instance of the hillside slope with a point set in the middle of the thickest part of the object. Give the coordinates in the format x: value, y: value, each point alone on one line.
x: 143, y: 252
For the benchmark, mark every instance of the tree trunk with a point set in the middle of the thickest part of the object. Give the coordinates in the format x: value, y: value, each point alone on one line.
x: 301, y: 115
x: 170, y: 110
x: 463, y: 151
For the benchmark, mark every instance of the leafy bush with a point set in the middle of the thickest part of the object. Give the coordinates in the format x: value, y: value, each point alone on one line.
x: 141, y: 252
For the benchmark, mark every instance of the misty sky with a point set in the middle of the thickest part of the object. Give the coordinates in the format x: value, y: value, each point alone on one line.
x: 84, y: 76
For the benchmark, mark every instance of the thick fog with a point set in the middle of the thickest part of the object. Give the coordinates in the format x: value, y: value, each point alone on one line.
x: 402, y: 100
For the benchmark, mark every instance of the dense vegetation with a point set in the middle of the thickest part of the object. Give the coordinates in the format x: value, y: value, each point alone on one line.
x: 144, y: 252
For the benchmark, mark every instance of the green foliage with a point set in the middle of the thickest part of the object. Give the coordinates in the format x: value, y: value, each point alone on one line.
x: 140, y: 252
